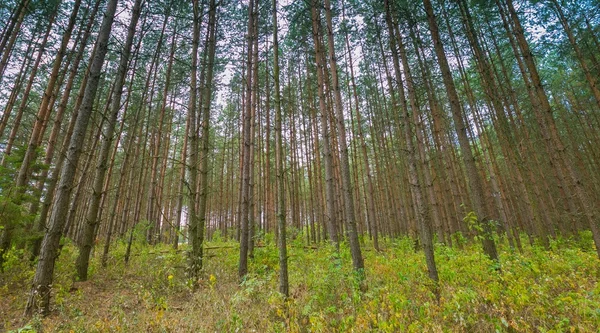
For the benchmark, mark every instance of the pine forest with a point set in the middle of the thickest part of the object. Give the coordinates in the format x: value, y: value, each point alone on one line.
x: 300, y: 166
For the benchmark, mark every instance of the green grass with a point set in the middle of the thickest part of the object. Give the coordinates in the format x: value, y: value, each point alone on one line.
x: 539, y: 291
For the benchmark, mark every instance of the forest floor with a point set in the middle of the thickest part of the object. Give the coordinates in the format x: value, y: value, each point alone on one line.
x: 538, y: 291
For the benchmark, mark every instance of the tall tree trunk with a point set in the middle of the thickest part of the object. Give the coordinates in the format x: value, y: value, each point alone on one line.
x: 45, y: 107
x: 370, y: 191
x: 55, y: 133
x: 193, y: 219
x: 558, y: 153
x: 474, y: 180
x: 10, y: 35
x: 16, y: 89
x: 253, y: 124
x: 39, y: 297
x: 331, y: 214
x: 578, y: 54
x: 25, y: 98
x: 182, y: 182
x: 247, y: 146
x: 279, y: 166
x: 205, y: 126
x: 423, y: 213
x: 357, y: 259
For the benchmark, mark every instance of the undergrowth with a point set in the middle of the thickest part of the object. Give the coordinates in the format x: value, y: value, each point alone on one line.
x: 541, y: 290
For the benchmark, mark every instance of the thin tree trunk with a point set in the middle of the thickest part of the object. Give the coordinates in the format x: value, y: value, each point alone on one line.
x: 357, y: 259
x: 423, y: 213
x: 205, y: 126
x: 330, y: 215
x: 247, y: 146
x: 25, y: 98
x: 10, y: 35
x: 45, y: 107
x: 193, y: 219
x: 473, y: 177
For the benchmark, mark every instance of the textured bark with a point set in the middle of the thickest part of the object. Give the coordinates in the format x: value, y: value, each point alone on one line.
x: 92, y: 220
x: 408, y: 125
x: 246, y: 149
x: 45, y: 106
x: 474, y: 180
x: 357, y: 259
x: 40, y: 224
x: 331, y: 214
x: 193, y: 220
x: 39, y: 297
x: 205, y: 126
x: 253, y: 131
x: 126, y: 167
x: 82, y: 185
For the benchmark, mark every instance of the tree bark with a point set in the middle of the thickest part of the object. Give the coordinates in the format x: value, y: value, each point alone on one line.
x: 357, y: 259
x: 39, y: 297
x: 474, y: 181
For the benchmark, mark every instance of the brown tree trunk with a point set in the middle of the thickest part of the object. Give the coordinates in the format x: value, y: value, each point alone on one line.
x: 39, y: 297
x: 473, y: 177
x: 246, y: 148
x: 25, y: 97
x: 553, y: 141
x: 45, y: 106
x: 279, y: 166
x: 193, y: 219
x: 423, y: 212
x: 10, y: 35
x: 328, y: 158
x: 578, y: 54
x: 205, y: 126
x: 153, y: 204
x: 357, y: 259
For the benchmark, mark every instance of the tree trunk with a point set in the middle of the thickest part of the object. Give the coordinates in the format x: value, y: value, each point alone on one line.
x: 331, y: 214
x: 39, y: 297
x: 193, y: 219
x: 45, y: 107
x: 205, y: 126
x: 474, y: 180
x: 423, y: 213
x: 357, y: 259
x: 247, y: 146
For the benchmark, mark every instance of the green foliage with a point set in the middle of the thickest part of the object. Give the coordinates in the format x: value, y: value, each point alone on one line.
x: 14, y: 213
x: 17, y: 272
x: 476, y: 226
x: 139, y: 232
x: 11, y: 213
x: 546, y: 291
x: 473, y: 222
